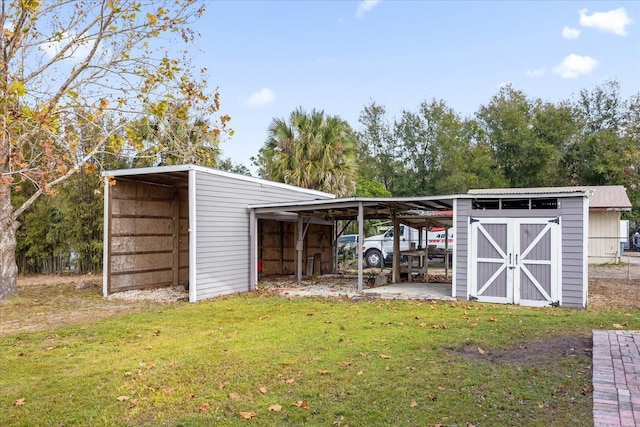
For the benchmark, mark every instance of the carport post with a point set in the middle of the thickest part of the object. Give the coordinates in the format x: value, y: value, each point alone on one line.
x: 396, y: 248
x: 359, y: 243
x: 299, y: 250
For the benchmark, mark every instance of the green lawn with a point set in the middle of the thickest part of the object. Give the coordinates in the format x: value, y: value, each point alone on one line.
x: 257, y: 359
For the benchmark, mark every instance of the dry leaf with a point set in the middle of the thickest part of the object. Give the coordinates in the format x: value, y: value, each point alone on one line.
x: 442, y: 387
x: 204, y: 407
x: 422, y: 325
x: 431, y: 397
x: 384, y: 356
x: 263, y: 390
x: 344, y: 364
x: 480, y: 350
x: 493, y: 319
x: 275, y: 408
x: 302, y: 404
x: 618, y: 326
x: 19, y: 402
x: 541, y: 405
x: 234, y: 395
x: 587, y: 389
x: 289, y: 381
x: 413, y: 404
x: 360, y: 373
x: 223, y: 384
x: 247, y: 415
x: 123, y: 398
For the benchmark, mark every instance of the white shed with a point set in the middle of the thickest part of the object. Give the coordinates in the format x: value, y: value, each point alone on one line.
x: 173, y: 225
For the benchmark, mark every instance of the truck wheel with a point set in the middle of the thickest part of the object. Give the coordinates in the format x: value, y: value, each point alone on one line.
x: 373, y: 258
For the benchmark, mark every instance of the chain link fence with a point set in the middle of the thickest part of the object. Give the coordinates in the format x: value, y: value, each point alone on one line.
x: 628, y: 268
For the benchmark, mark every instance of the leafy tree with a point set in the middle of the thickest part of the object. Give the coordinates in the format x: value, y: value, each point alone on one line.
x: 229, y: 166
x: 168, y: 137
x: 509, y: 126
x: 312, y: 151
x: 379, y: 152
x: 63, y: 60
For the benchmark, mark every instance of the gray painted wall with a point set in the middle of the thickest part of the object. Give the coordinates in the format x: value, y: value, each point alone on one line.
x: 571, y: 213
x: 222, y: 229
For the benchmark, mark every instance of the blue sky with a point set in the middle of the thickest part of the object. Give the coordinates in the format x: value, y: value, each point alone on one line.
x: 270, y: 57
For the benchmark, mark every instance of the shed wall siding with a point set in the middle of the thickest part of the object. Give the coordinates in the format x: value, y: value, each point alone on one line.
x: 462, y: 245
x: 222, y: 227
x: 572, y: 222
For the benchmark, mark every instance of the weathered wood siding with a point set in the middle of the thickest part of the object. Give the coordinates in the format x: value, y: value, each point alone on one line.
x: 149, y: 240
x: 222, y: 228
x: 277, y: 247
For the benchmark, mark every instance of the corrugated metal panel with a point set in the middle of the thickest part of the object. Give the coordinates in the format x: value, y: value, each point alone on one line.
x: 222, y: 223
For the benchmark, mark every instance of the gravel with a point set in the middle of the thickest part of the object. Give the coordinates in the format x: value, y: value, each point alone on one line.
x: 166, y: 294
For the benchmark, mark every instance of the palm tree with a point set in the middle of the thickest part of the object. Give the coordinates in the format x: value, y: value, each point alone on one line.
x: 311, y: 151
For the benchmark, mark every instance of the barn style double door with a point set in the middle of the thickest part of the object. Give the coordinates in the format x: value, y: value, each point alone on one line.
x: 515, y: 260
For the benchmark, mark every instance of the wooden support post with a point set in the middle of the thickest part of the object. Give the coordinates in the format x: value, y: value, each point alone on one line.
x: 396, y: 248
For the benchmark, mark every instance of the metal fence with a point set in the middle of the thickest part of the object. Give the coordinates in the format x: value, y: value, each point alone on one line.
x: 627, y: 268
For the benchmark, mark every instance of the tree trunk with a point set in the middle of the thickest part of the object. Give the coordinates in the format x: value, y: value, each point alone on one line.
x: 8, y: 227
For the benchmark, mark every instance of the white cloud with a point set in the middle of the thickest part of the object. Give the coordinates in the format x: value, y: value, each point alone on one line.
x: 538, y: 72
x: 574, y: 65
x: 365, y: 6
x: 613, y: 21
x: 77, y: 53
x: 261, y: 98
x: 570, y: 33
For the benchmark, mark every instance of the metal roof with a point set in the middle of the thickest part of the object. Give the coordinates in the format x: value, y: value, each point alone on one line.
x: 178, y: 176
x: 419, y: 211
x: 613, y: 197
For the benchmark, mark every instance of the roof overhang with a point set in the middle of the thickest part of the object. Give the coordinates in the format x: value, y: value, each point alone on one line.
x: 418, y: 211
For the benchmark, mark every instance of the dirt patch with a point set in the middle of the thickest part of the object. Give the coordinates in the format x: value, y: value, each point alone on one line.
x: 614, y: 293
x: 531, y: 353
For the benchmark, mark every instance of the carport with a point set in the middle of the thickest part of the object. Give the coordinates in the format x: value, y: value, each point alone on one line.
x: 414, y: 212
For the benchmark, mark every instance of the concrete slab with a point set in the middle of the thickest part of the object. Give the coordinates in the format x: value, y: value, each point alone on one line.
x: 435, y: 291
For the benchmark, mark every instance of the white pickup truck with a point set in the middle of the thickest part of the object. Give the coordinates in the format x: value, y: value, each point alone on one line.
x: 378, y: 250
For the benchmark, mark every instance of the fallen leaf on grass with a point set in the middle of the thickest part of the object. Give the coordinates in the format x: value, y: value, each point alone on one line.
x: 263, y: 390
x: 247, y: 415
x: 618, y: 326
x: 442, y: 387
x: 19, y: 402
x: 385, y: 356
x: 123, y: 398
x: 223, y: 384
x: 275, y: 408
x: 480, y: 350
x: 493, y: 319
x: 431, y: 397
x: 345, y: 364
x: 234, y: 395
x: 324, y: 372
x: 302, y: 404
x: 413, y: 404
x: 289, y: 381
x: 360, y: 373
x: 204, y: 407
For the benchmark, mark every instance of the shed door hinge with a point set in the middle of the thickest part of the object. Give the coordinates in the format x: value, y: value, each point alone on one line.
x: 556, y: 220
